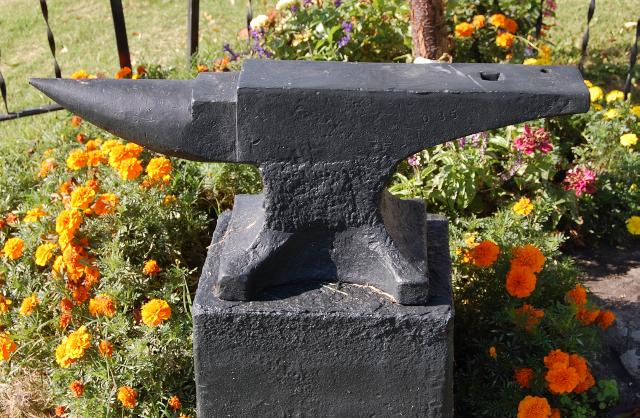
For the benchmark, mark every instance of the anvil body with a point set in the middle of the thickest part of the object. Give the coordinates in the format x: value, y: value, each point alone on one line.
x: 326, y: 137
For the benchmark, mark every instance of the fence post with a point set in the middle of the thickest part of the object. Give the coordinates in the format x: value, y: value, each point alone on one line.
x: 193, y: 23
x: 121, y: 34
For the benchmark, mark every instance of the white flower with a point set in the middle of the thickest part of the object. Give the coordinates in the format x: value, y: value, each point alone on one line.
x: 285, y: 4
x: 320, y: 28
x: 258, y: 21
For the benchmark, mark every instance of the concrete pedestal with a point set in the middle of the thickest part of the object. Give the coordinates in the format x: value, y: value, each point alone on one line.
x: 327, y: 350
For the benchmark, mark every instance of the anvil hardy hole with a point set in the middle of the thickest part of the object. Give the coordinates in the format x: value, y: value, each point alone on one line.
x: 489, y: 76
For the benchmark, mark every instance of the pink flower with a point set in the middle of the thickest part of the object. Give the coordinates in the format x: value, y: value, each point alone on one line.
x: 414, y: 160
x: 581, y: 180
x: 531, y: 140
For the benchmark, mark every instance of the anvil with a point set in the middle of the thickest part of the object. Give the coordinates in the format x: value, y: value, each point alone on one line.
x: 326, y: 137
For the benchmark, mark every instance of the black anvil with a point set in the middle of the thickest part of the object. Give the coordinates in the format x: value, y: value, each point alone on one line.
x: 326, y: 136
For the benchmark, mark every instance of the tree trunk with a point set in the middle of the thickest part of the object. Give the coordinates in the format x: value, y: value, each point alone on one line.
x: 428, y: 28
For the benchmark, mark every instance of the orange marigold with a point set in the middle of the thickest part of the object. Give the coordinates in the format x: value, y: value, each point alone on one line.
x: 124, y: 72
x: 493, y: 353
x: 76, y: 160
x: 155, y: 311
x: 29, y: 305
x: 174, y: 403
x: 76, y: 121
x: 7, y: 346
x: 129, y: 169
x: 464, y: 30
x: 60, y: 410
x: 5, y: 303
x: 151, y: 268
x: 65, y: 320
x: 504, y: 40
x: 34, y: 214
x: 556, y: 357
x: 580, y: 364
x: 534, y: 407
x: 528, y: 256
x: 94, y: 158
x: 159, y: 168
x: 13, y: 248
x: 478, y: 21
x: 587, y: 316
x: 562, y: 379
x: 127, y: 396
x: 528, y: 317
x: 585, y: 384
x: 521, y: 282
x: 577, y: 295
x: 66, y: 305
x: 485, y: 253
x: 46, y: 167
x: 605, y: 319
x: 105, y: 348
x: 80, y: 294
x: 511, y: 25
x: 77, y: 388
x: 81, y: 197
x: 105, y: 204
x: 523, y: 376
x: 555, y: 413
x: 68, y: 222
x: 102, y: 305
x: 498, y: 20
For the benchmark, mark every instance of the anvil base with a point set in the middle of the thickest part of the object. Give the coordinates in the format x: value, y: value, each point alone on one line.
x: 327, y: 350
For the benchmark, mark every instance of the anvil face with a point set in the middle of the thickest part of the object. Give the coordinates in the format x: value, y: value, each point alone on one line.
x: 326, y: 137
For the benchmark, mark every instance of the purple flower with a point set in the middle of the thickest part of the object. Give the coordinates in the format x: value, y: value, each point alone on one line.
x: 347, y: 27
x: 462, y: 141
x: 414, y: 160
x: 227, y: 48
x: 530, y: 141
x: 581, y: 180
x: 344, y: 40
x: 337, y: 3
x: 307, y: 2
x: 294, y: 8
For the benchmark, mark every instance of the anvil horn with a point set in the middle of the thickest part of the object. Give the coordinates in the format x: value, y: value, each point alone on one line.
x: 194, y: 119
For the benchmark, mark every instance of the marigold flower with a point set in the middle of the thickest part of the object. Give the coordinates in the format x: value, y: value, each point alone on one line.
x: 562, y: 379
x: 124, y: 72
x: 77, y: 388
x: 174, y: 403
x: 105, y: 348
x: 82, y: 197
x: 478, y: 21
x: 58, y: 266
x: 127, y: 396
x: 523, y: 377
x: 105, y: 204
x: 68, y: 221
x: 29, y: 304
x: 534, y: 407
x: 585, y: 384
x: 73, y: 347
x: 528, y: 256
x: 7, y: 345
x: 12, y: 218
x: 611, y: 114
x: 169, y: 199
x: 556, y: 357
x: 102, y: 305
x: 94, y: 158
x: 605, y: 319
x: 76, y: 160
x: 628, y: 139
x: 66, y: 305
x: 5, y: 303
x: 555, y: 413
x: 44, y: 253
x: 464, y: 30
x: 523, y: 206
x: 614, y: 96
x: 80, y: 74
x: 34, y: 214
x: 528, y: 317
x: 155, y: 311
x: 76, y: 121
x: 586, y: 316
x: 636, y: 110
x: 130, y: 169
x: 633, y: 225
x: 151, y: 268
x: 580, y: 364
x: 511, y: 25
x: 158, y: 168
x: 498, y: 20
x: 60, y: 410
x: 521, y: 282
x: 504, y: 40
x: 493, y: 353
x: 80, y: 294
x: 485, y: 253
x: 596, y: 94
x: 13, y: 248
x: 577, y: 295
x: 65, y: 320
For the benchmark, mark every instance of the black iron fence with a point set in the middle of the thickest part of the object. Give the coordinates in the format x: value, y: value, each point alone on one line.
x: 124, y: 56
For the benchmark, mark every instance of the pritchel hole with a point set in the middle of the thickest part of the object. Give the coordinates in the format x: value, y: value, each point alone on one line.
x: 544, y: 70
x: 489, y: 76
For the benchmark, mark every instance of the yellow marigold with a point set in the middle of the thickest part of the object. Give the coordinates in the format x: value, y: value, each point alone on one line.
x: 108, y: 146
x: 77, y: 388
x: 534, y: 407
x: 556, y: 357
x: 577, y: 295
x: 498, y: 20
x: 605, y: 319
x: 531, y: 61
x: 79, y: 74
x: 464, y: 30
x: 587, y: 316
x: 44, y: 253
x: 124, y: 72
x: 13, y: 248
x: 478, y: 21
x: 561, y: 379
x: 5, y: 304
x: 76, y: 160
x: 105, y: 348
x: 174, y: 403
x: 528, y: 317
x: 127, y: 396
x: 493, y: 353
x: 102, y: 305
x: 68, y: 221
x: 633, y: 225
x: 611, y: 114
x: 151, y: 268
x: 130, y: 169
x: 528, y: 256
x: 504, y: 40
x: 523, y: 206
x: 29, y: 305
x: 636, y: 110
x: 158, y: 168
x: 523, y: 377
x: 94, y: 158
x: 82, y: 197
x: 46, y: 167
x: 7, y: 345
x: 521, y: 282
x: 105, y: 204
x: 588, y: 83
x: 596, y: 94
x: 614, y: 96
x: 119, y: 152
x: 58, y: 266
x: 34, y: 214
x: 629, y: 139
x: 169, y: 199
x: 155, y: 311
x: 75, y: 259
x: 73, y: 347
x: 485, y: 253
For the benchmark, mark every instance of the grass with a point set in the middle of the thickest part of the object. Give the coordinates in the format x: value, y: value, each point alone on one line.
x: 157, y: 34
